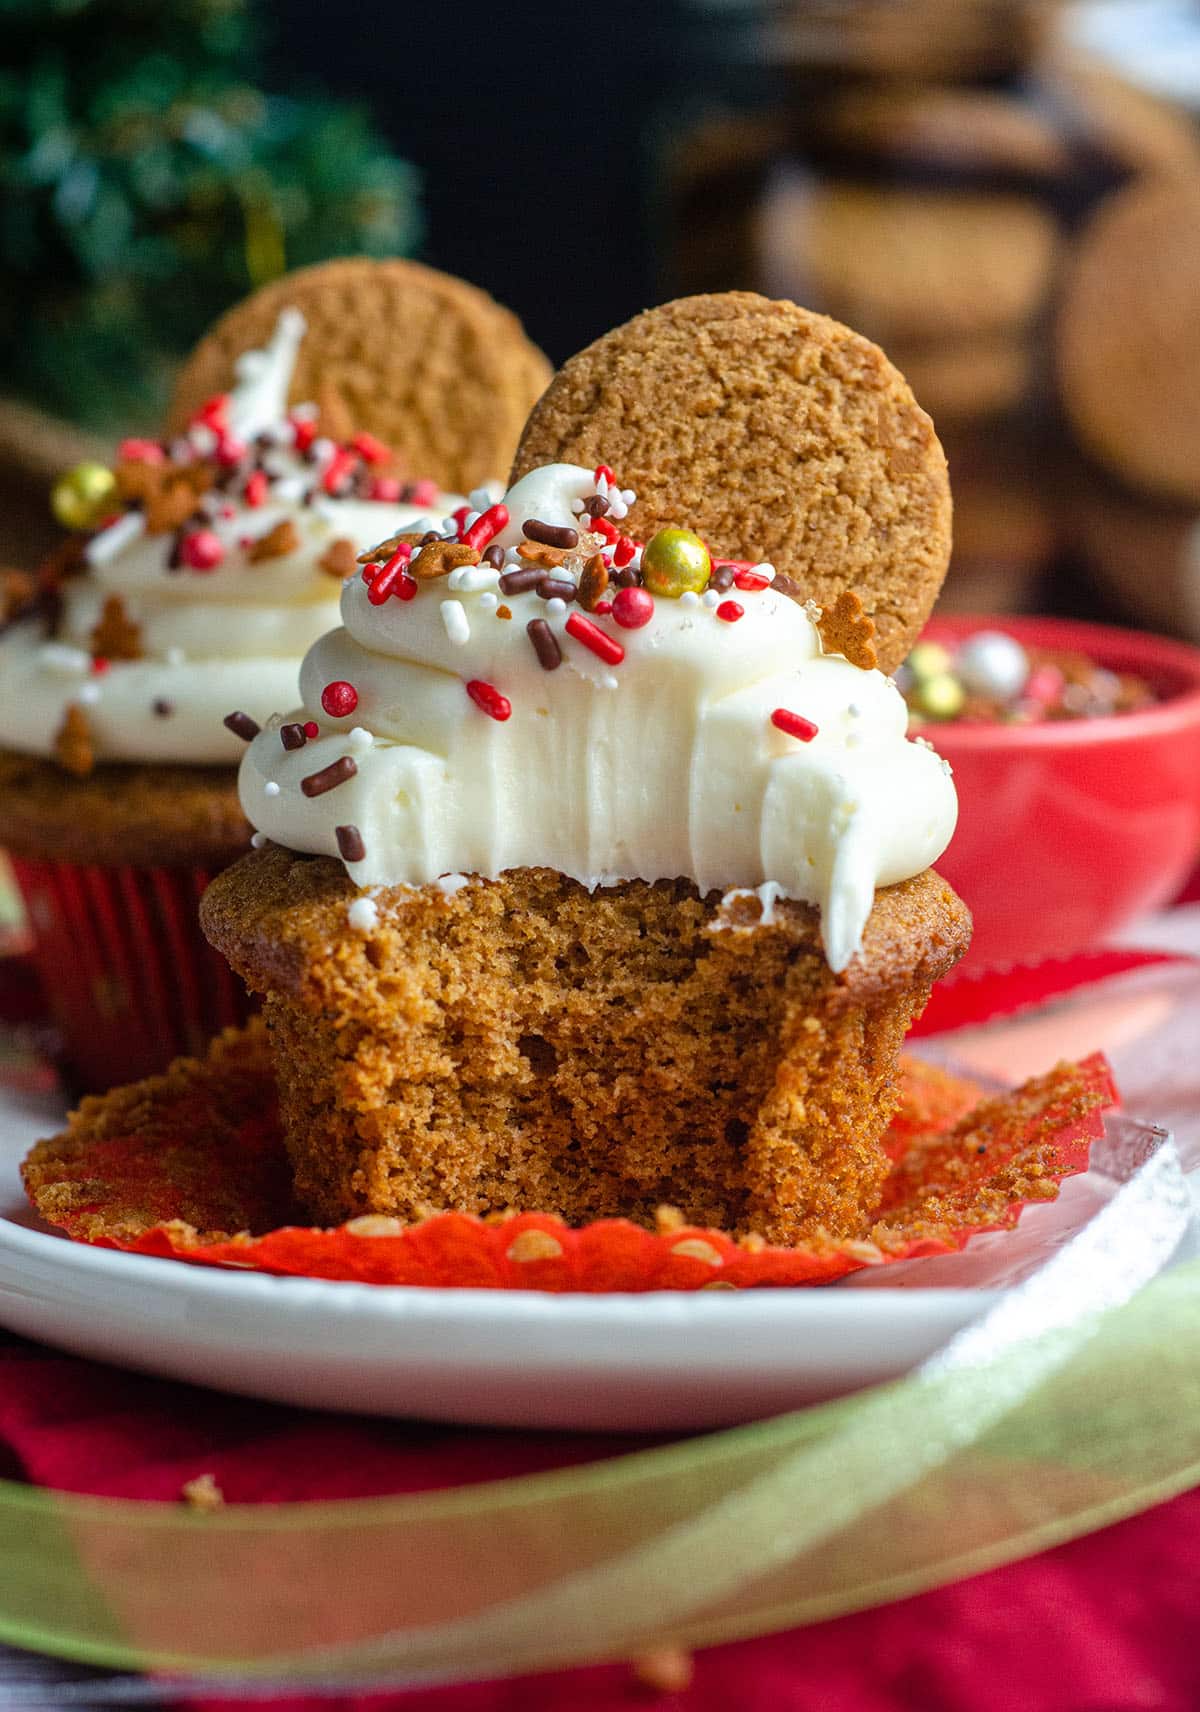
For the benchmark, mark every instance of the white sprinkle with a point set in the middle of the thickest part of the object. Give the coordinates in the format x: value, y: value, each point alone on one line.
x: 456, y: 622
x: 617, y: 509
x: 853, y: 711
x: 556, y: 606
x: 608, y: 682
x: 766, y: 569
x: 488, y: 601
x: 322, y: 449
x: 480, y: 498
x: 602, y: 485
x: 271, y: 789
x: 290, y: 490
x: 305, y: 412
x: 363, y: 915
x: 513, y: 558
x: 101, y: 548
x: 89, y: 694
x: 360, y: 738
x: 576, y: 506
x: 174, y: 656
x: 469, y: 579
x: 65, y: 661
x: 451, y: 883
x: 203, y: 438
x: 628, y: 495
x: 257, y: 840
x: 449, y: 523
x: 469, y: 519
x: 711, y: 598
x: 689, y: 598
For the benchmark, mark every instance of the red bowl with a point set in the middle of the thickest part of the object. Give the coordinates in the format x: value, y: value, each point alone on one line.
x: 1070, y: 829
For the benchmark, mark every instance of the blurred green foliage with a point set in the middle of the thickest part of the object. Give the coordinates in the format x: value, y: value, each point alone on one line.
x: 147, y: 182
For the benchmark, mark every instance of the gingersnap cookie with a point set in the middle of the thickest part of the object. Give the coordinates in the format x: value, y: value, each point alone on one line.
x: 960, y: 131
x: 431, y: 365
x: 778, y: 434
x: 1128, y: 338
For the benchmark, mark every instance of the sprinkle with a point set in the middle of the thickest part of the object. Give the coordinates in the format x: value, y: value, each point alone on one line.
x: 721, y: 577
x: 258, y: 840
x: 556, y: 605
x: 488, y: 601
x: 271, y: 789
x: 63, y: 660
x: 494, y: 556
x: 363, y: 915
x: 503, y: 612
x: 455, y: 622
x: 141, y: 452
x: 486, y: 527
x: 730, y: 611
x: 545, y: 643
x: 423, y: 493
x: 100, y: 664
x: 311, y: 729
x: 551, y: 534
x: 596, y: 506
x: 337, y: 772
x: 174, y: 656
x: 750, y: 582
x: 785, y: 585
x: 481, y: 498
x: 337, y: 472
x: 551, y: 588
x: 292, y: 736
x: 602, y: 473
x: 689, y: 598
x: 610, y: 532
x: 392, y: 578
x: 457, y: 520
x: 633, y: 607
x: 605, y: 647
x: 517, y: 582
x: 162, y: 708
x: 603, y: 608
x: 624, y: 551
x: 795, y: 724
x: 339, y: 698
x: 488, y: 698
x: 89, y: 694
x: 255, y: 492
x: 103, y: 547
x: 304, y: 429
x: 710, y: 598
x: 470, y: 579
x: 371, y: 450
x: 350, y: 843
x: 242, y: 726
x: 360, y: 738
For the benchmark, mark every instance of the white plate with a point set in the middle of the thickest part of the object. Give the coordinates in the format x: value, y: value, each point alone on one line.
x: 510, y: 1358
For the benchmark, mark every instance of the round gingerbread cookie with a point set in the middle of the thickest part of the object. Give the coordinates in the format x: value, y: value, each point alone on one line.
x: 1129, y: 338
x: 433, y: 366
x: 777, y: 434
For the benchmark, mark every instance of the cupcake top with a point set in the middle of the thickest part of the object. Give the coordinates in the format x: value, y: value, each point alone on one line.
x: 537, y: 689
x: 220, y: 561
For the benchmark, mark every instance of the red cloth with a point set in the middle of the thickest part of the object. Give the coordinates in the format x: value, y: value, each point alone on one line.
x: 1105, y: 1624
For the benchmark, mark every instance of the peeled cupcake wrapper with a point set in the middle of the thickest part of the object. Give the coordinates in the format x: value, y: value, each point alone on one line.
x: 220, y: 1193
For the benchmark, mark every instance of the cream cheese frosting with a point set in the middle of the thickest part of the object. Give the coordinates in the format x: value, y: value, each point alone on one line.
x: 210, y: 636
x: 713, y: 739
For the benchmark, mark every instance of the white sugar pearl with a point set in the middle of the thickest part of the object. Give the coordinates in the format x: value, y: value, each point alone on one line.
x: 360, y: 738
x: 555, y: 606
x: 363, y: 915
x: 992, y: 664
x: 711, y: 598
x: 689, y: 598
x: 271, y: 789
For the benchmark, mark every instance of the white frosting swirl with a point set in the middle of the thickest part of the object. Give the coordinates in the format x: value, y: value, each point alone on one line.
x: 210, y: 641
x: 664, y: 764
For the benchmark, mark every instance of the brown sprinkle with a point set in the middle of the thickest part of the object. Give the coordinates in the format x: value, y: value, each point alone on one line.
x: 276, y: 543
x: 596, y: 506
x: 163, y: 708
x: 116, y: 636
x: 339, y: 558
x: 849, y: 630
x: 350, y: 843
x: 242, y: 726
x: 494, y: 556
x: 439, y: 558
x: 73, y: 747
x: 551, y: 588
x: 786, y: 586
x: 517, y: 582
x: 551, y: 534
x: 337, y: 772
x: 545, y: 643
x: 292, y: 736
x: 593, y: 582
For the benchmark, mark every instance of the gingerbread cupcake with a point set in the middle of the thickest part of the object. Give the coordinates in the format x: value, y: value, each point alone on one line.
x: 134, y: 664
x: 602, y: 879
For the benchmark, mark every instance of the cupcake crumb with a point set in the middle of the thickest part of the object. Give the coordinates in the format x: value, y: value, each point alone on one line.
x: 202, y: 1494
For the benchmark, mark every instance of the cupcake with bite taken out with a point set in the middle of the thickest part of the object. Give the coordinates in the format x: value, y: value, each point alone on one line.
x: 595, y: 866
x: 134, y: 664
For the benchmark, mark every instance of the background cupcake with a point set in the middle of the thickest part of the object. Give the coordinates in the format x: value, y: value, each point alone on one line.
x: 214, y: 559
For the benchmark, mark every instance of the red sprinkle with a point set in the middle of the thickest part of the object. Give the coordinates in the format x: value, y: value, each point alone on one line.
x: 385, y: 489
x: 391, y: 578
x: 488, y: 697
x: 749, y: 581
x: 339, y: 698
x: 623, y: 551
x: 633, y: 607
x: 230, y: 451
x: 423, y: 492
x: 256, y: 488
x: 795, y: 724
x: 603, y: 470
x: 311, y: 729
x: 212, y: 413
x: 337, y: 470
x: 371, y: 450
x: 202, y: 550
x: 603, y: 607
x: 485, y: 527
x: 610, y: 532
x: 734, y: 565
x: 730, y: 611
x: 100, y: 664
x: 305, y: 430
x: 460, y: 515
x: 141, y: 452
x: 604, y: 646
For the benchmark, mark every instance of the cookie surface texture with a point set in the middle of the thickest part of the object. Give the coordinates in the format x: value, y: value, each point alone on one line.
x: 774, y: 432
x: 431, y: 365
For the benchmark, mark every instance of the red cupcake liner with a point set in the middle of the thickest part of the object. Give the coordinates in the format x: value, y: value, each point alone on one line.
x: 203, y: 1178
x: 128, y: 977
